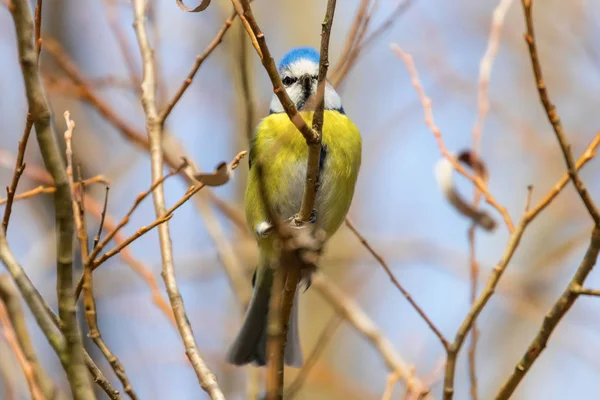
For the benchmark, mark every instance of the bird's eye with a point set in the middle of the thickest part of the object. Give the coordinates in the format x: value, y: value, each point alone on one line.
x: 288, y: 80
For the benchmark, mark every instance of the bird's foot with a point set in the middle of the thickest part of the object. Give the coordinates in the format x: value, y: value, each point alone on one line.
x: 298, y: 223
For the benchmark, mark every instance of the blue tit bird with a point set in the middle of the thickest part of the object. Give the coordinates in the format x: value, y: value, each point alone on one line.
x: 283, y: 154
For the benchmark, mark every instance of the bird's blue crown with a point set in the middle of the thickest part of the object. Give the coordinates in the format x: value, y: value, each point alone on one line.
x: 299, y: 53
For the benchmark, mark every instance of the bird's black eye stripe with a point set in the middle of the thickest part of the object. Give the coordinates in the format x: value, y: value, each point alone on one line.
x: 288, y: 80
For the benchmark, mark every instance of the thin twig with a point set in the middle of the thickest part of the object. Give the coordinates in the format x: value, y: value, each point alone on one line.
x: 138, y: 200
x: 138, y: 267
x: 552, y: 115
x: 51, y: 189
x: 404, y: 292
x: 102, y: 216
x: 197, y: 64
x: 587, y: 292
x: 205, y: 376
x: 139, y: 233
x: 72, y: 358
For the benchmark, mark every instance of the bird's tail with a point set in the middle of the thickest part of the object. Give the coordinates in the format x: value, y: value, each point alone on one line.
x: 250, y: 344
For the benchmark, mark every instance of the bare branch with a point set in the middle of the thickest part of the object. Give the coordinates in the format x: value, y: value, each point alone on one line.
x: 205, y: 376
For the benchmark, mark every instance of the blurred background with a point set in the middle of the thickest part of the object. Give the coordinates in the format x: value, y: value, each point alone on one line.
x: 397, y: 205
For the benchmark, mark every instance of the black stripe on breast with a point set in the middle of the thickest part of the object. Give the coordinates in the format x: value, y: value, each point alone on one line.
x: 251, y: 151
x: 322, y: 157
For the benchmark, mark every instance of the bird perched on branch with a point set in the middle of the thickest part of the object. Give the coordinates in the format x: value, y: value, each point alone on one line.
x: 282, y: 152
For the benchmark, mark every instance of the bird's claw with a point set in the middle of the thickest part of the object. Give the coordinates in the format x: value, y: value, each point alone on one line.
x: 298, y: 223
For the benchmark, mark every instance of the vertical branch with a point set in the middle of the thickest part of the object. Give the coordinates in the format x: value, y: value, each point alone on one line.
x: 28, y: 56
x: 205, y: 376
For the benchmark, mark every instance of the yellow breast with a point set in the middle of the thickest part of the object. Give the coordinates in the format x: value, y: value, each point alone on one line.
x: 283, y: 153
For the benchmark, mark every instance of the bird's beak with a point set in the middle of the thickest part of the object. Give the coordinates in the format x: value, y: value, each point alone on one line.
x: 306, y: 83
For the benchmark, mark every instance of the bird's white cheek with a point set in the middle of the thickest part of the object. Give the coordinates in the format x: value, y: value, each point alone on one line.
x: 295, y: 93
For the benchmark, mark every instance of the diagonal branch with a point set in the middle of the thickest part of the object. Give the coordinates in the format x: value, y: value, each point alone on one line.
x: 396, y: 283
x: 197, y: 64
